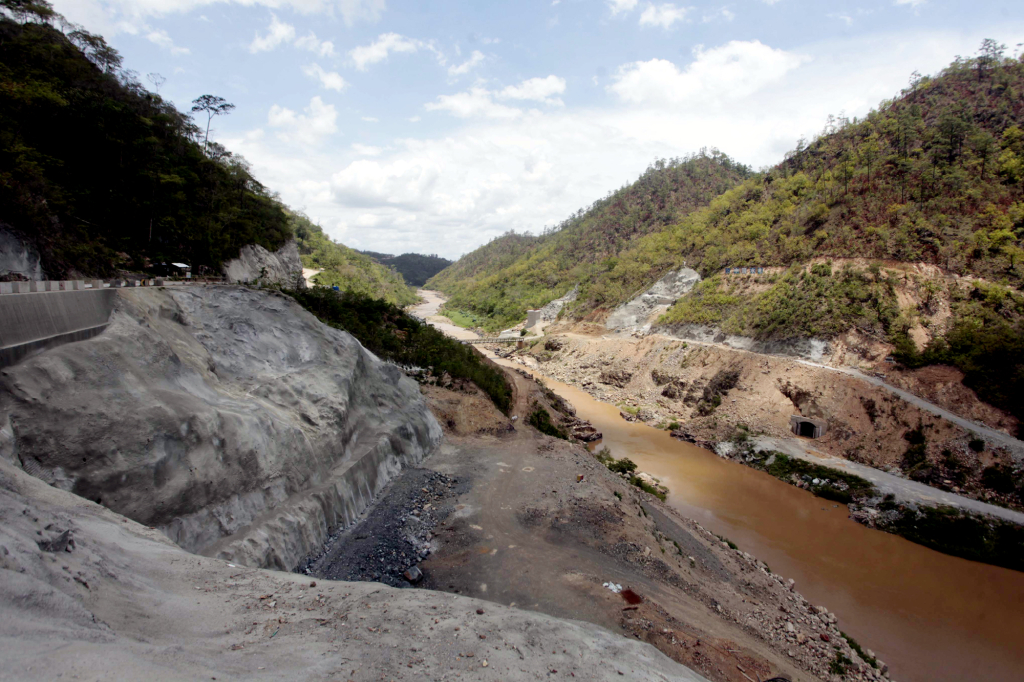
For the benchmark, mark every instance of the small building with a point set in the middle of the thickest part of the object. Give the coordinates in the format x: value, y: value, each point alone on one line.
x: 181, y: 270
x: 807, y: 427
x: 532, y: 318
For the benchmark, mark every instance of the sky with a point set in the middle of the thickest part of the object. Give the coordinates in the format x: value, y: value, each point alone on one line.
x: 434, y: 126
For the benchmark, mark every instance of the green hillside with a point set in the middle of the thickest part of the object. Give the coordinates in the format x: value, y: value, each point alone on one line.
x: 495, y: 255
x: 504, y: 278
x: 415, y: 268
x: 935, y: 176
x: 98, y: 173
x: 346, y: 268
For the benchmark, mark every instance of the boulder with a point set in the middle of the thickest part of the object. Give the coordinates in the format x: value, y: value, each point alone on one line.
x: 616, y: 377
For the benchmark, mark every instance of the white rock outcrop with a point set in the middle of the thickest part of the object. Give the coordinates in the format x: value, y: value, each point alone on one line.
x: 230, y: 418
x: 638, y: 312
x: 256, y: 264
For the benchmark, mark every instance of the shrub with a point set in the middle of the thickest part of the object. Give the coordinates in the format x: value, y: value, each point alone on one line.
x: 622, y: 466
x: 375, y: 322
x: 540, y: 419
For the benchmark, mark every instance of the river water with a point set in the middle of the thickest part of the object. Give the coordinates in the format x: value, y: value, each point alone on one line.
x: 930, y: 616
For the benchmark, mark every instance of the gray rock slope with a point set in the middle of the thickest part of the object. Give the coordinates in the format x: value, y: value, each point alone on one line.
x: 121, y: 602
x: 232, y: 419
x: 256, y: 264
x: 636, y: 313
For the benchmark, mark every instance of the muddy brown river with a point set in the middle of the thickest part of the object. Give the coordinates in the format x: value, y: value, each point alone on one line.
x: 931, y: 617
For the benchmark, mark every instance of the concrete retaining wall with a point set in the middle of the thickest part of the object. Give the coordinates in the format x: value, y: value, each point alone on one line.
x: 31, y: 322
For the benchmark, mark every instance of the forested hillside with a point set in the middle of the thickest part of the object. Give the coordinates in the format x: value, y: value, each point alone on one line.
x: 99, y: 173
x: 347, y: 268
x: 415, y: 268
x: 504, y: 278
x: 935, y: 176
x: 495, y: 255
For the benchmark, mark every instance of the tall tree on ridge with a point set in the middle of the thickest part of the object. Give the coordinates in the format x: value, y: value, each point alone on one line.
x: 213, y: 106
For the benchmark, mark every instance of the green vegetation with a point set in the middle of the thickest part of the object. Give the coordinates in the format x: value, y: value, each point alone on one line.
x: 985, y: 340
x: 99, y: 174
x: 627, y: 466
x: 840, y: 664
x: 391, y: 334
x: 833, y: 484
x: 540, y: 419
x: 799, y: 303
x: 870, y: 660
x: 461, y: 318
x: 414, y: 268
x: 504, y: 278
x: 346, y: 268
x: 622, y: 466
x: 962, y: 534
x: 935, y: 175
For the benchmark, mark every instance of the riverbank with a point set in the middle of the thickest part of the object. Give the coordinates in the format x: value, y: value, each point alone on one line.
x: 538, y: 522
x: 714, y: 390
x: 932, y: 617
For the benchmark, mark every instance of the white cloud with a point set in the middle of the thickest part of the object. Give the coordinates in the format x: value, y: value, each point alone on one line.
x: 277, y: 33
x: 450, y: 192
x: 912, y: 3
x: 538, y: 89
x: 621, y: 6
x: 330, y: 80
x: 366, y: 150
x: 161, y: 38
x: 371, y: 119
x: 378, y: 51
x: 458, y: 70
x: 845, y: 18
x: 725, y: 14
x: 479, y: 102
x: 112, y: 17
x: 663, y: 15
x: 324, y: 48
x: 317, y: 123
x: 730, y: 72
x: 474, y: 103
x: 355, y: 10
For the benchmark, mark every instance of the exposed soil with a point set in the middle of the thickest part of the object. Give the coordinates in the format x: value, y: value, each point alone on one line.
x: 664, y: 380
x: 538, y: 523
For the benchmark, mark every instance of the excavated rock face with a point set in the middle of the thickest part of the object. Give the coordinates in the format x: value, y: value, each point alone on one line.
x: 230, y: 418
x: 656, y: 300
x: 256, y: 264
x: 18, y: 258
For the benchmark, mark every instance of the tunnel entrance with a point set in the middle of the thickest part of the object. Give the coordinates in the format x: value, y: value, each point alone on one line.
x: 807, y: 427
